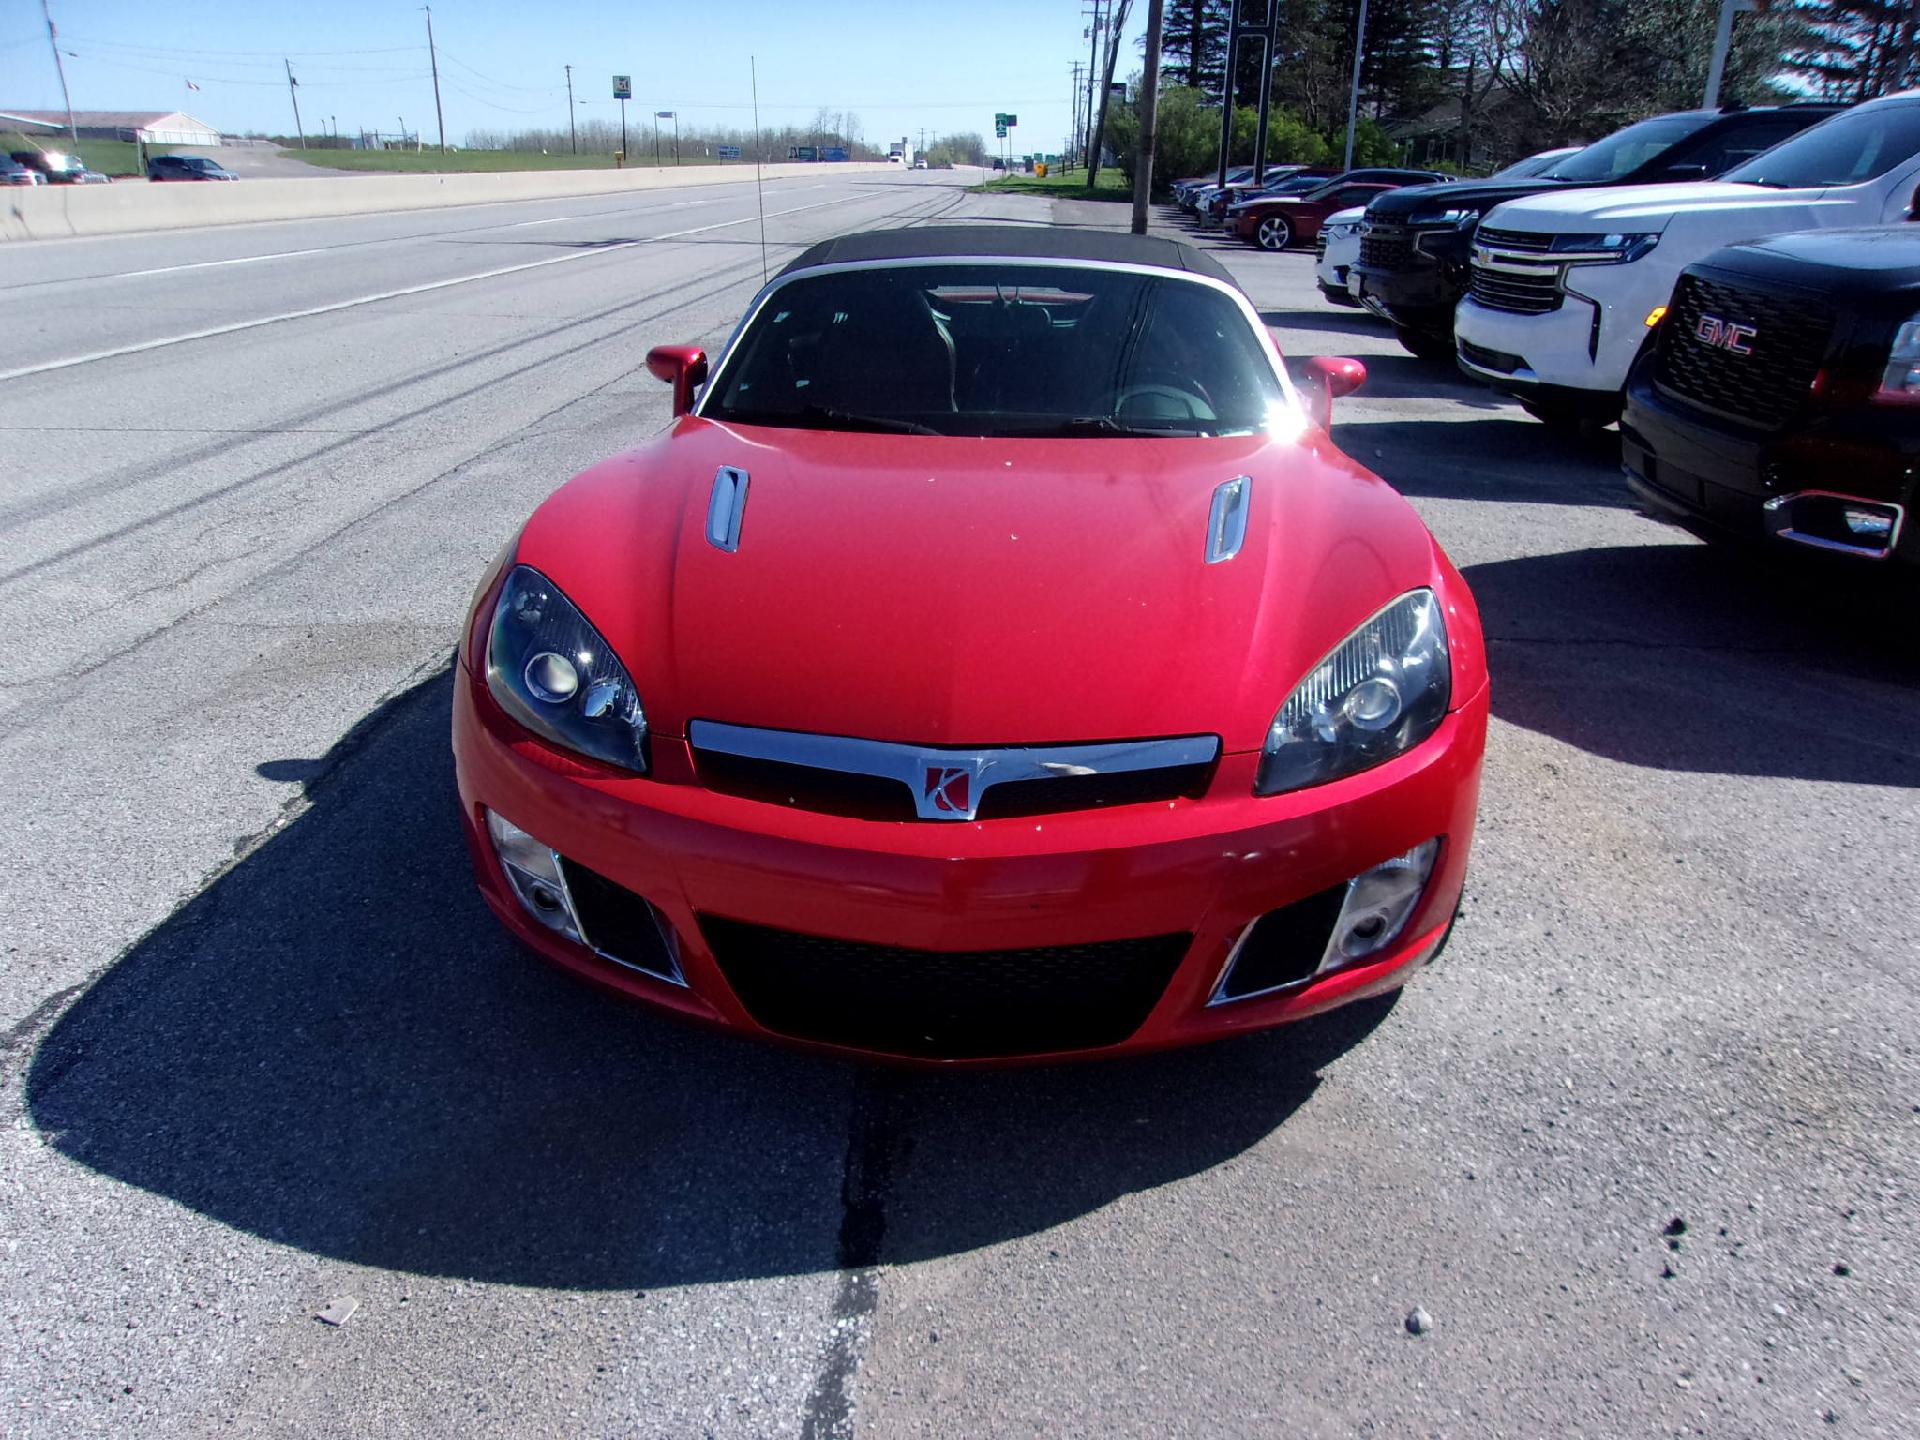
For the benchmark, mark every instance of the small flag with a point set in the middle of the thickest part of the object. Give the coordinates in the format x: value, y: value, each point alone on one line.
x: 192, y: 86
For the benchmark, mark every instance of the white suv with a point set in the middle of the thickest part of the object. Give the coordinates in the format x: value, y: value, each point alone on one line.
x: 1564, y: 286
x: 1339, y: 247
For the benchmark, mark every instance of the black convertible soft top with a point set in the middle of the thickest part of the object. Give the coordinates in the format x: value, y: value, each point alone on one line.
x: 931, y: 242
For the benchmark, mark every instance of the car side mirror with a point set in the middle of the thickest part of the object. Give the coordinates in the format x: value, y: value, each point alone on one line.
x: 1328, y: 378
x: 682, y: 366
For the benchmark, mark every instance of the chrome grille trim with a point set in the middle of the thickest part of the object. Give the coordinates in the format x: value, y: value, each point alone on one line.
x: 930, y: 772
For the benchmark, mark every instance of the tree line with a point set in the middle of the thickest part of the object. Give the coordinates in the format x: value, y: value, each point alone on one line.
x: 829, y: 129
x: 1494, y: 79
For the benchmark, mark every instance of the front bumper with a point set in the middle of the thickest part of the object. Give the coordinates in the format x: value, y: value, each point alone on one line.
x: 1587, y: 345
x: 1204, y: 870
x: 1795, y: 485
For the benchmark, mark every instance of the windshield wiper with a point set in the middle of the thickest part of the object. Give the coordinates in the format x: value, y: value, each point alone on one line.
x: 1107, y: 425
x: 846, y: 420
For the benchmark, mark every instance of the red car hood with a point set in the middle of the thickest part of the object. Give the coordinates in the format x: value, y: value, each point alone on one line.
x: 971, y: 591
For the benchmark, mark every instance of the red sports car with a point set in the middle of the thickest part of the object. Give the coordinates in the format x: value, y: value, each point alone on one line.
x: 1278, y: 221
x: 994, y: 658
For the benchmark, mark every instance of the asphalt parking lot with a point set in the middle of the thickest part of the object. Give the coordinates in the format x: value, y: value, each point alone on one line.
x: 1644, y: 1145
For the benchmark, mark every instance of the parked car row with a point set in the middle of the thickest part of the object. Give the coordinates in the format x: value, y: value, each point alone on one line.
x: 53, y: 167
x: 1757, y: 334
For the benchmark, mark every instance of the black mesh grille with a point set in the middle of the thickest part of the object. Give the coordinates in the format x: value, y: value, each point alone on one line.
x: 873, y: 797
x: 1785, y: 334
x: 1386, y: 249
x: 1518, y: 294
x: 617, y: 922
x: 1498, y: 360
x: 944, y: 1004
x: 1284, y: 946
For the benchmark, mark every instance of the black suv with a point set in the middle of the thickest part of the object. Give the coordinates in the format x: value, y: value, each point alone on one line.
x: 1781, y: 393
x: 186, y: 167
x: 1416, y: 244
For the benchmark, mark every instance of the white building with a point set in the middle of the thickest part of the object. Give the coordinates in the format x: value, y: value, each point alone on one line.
x: 155, y: 127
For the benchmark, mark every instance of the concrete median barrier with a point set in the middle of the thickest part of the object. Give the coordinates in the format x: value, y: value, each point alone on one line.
x: 51, y: 212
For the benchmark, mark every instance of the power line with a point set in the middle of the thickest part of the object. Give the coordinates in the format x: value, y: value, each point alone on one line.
x: 269, y: 54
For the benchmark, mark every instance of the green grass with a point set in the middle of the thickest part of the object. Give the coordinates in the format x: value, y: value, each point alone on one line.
x: 1062, y: 185
x: 432, y: 162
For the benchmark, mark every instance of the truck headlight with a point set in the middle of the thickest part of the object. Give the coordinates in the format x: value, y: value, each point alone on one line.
x: 1382, y: 691
x: 549, y: 669
x: 1900, y: 381
x: 1615, y: 248
x: 1453, y: 215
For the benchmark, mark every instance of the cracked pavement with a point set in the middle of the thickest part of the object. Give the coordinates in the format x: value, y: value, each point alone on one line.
x: 262, y: 1049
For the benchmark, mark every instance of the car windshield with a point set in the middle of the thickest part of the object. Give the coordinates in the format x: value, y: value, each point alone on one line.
x: 1627, y: 150
x: 999, y: 348
x: 1849, y: 149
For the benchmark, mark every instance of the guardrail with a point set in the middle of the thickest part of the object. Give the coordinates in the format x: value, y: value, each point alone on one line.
x: 49, y: 212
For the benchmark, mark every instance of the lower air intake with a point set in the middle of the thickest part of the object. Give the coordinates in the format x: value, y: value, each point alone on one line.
x: 949, y: 1005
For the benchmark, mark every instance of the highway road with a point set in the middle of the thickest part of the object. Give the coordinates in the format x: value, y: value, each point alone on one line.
x: 1645, y: 1145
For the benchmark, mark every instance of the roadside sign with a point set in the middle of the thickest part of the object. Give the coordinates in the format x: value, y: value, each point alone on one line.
x: 623, y: 87
x: 1012, y: 120
x: 727, y: 152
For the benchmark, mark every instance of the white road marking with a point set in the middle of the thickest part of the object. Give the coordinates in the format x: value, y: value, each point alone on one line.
x: 204, y: 264
x: 360, y: 300
x: 550, y: 220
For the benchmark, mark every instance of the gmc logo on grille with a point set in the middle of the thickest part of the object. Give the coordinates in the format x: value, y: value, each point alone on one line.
x: 1720, y: 334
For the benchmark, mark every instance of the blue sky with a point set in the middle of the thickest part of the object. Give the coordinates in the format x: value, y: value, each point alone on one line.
x: 900, y: 66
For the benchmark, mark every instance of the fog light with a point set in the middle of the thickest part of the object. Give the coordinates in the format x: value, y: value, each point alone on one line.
x: 1379, y: 903
x: 533, y: 871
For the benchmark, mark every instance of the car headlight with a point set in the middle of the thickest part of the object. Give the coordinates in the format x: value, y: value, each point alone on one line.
x: 550, y: 670
x: 1454, y: 215
x: 1900, y: 381
x: 1340, y: 231
x: 1382, y: 691
x: 1617, y: 248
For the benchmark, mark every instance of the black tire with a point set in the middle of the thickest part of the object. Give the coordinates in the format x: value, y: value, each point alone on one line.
x: 1273, y: 234
x: 1424, y: 344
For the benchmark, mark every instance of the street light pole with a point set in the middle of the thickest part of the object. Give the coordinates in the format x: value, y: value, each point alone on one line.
x: 1722, y: 43
x: 1353, y: 100
x: 573, y: 132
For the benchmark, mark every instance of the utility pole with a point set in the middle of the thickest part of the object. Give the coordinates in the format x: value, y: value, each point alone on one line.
x: 53, y: 40
x: 1075, y: 141
x: 433, y: 59
x: 1149, y: 103
x: 573, y: 131
x: 293, y: 91
x: 1353, y: 100
x: 1116, y: 22
x: 656, y: 139
x: 1093, y: 71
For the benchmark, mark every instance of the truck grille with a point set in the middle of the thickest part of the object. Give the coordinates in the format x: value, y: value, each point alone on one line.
x: 1386, y: 248
x: 1787, y: 341
x: 1516, y: 293
x: 1530, y: 241
x: 937, y: 1004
